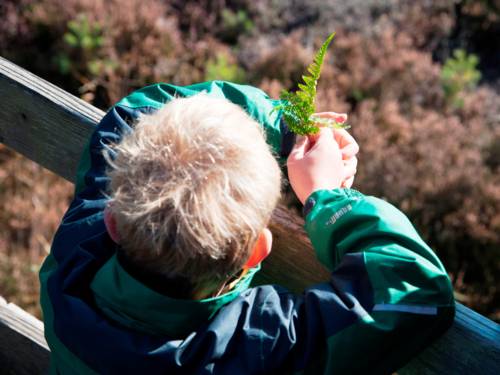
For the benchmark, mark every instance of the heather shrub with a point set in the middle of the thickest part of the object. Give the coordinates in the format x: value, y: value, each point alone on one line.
x: 14, y: 24
x: 386, y: 67
x: 201, y: 18
x: 280, y: 58
x: 101, y: 50
x: 33, y: 201
x: 366, y: 17
x: 109, y: 47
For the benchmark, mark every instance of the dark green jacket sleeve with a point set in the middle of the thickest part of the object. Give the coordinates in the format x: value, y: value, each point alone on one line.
x: 408, y: 295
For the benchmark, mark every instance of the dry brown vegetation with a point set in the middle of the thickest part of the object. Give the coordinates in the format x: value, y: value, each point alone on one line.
x: 33, y: 201
x: 436, y: 157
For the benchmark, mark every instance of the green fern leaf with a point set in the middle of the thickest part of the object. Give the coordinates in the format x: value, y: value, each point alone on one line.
x: 298, y: 107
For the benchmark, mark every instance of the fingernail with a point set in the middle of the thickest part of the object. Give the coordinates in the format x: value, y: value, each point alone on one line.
x: 342, y: 117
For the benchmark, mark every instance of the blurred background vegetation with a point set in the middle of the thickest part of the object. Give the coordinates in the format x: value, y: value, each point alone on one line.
x: 419, y: 79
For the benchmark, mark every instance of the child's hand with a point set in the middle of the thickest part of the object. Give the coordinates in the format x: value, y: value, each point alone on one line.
x: 349, y: 148
x: 323, y: 161
x: 347, y: 144
x: 315, y: 163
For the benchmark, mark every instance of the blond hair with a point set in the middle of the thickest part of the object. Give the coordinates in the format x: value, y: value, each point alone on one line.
x: 191, y: 189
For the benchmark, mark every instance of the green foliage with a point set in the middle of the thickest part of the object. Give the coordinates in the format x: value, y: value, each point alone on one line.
x: 459, y: 74
x: 64, y: 63
x: 358, y: 94
x: 298, y: 107
x: 234, y: 24
x: 83, y: 34
x: 82, y: 41
x: 221, y: 69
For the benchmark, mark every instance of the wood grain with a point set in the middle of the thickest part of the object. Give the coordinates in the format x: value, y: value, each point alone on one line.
x: 51, y: 127
x: 23, y: 349
x: 471, y: 346
x: 43, y: 122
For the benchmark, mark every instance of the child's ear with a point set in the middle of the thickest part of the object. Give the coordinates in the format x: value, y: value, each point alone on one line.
x: 110, y: 222
x: 261, y: 249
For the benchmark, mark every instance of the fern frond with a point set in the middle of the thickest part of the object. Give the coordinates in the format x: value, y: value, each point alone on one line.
x: 298, y: 107
x: 330, y: 123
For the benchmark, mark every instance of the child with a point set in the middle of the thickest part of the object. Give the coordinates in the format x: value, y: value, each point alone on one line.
x: 150, y: 269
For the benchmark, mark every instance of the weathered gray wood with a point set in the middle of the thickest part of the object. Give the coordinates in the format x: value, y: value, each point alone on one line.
x: 43, y: 122
x: 471, y: 346
x: 23, y: 349
x: 51, y: 126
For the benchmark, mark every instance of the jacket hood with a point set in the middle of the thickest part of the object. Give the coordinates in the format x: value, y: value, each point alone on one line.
x: 129, y: 302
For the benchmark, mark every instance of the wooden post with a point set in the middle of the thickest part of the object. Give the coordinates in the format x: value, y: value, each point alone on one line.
x: 50, y: 126
x: 23, y: 349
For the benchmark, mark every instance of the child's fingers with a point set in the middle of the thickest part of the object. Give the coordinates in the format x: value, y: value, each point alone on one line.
x: 315, y: 166
x: 352, y: 162
x: 350, y: 167
x: 349, y: 151
x: 323, y: 139
x: 347, y: 141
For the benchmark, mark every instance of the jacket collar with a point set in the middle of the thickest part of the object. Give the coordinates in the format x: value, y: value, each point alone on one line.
x: 127, y: 301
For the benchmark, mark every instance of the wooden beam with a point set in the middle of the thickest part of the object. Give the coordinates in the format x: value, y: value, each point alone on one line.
x: 51, y: 127
x: 23, y: 349
x: 43, y: 122
x: 471, y: 346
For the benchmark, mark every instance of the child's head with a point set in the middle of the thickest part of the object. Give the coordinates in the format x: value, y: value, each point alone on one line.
x: 192, y: 189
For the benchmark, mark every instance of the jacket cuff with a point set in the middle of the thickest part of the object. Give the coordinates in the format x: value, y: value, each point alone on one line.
x: 334, y: 194
x: 287, y: 139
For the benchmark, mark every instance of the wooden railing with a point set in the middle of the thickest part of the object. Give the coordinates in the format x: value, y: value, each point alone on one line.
x: 51, y: 127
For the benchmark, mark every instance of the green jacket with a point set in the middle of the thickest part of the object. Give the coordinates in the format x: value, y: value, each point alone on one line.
x: 387, y: 298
